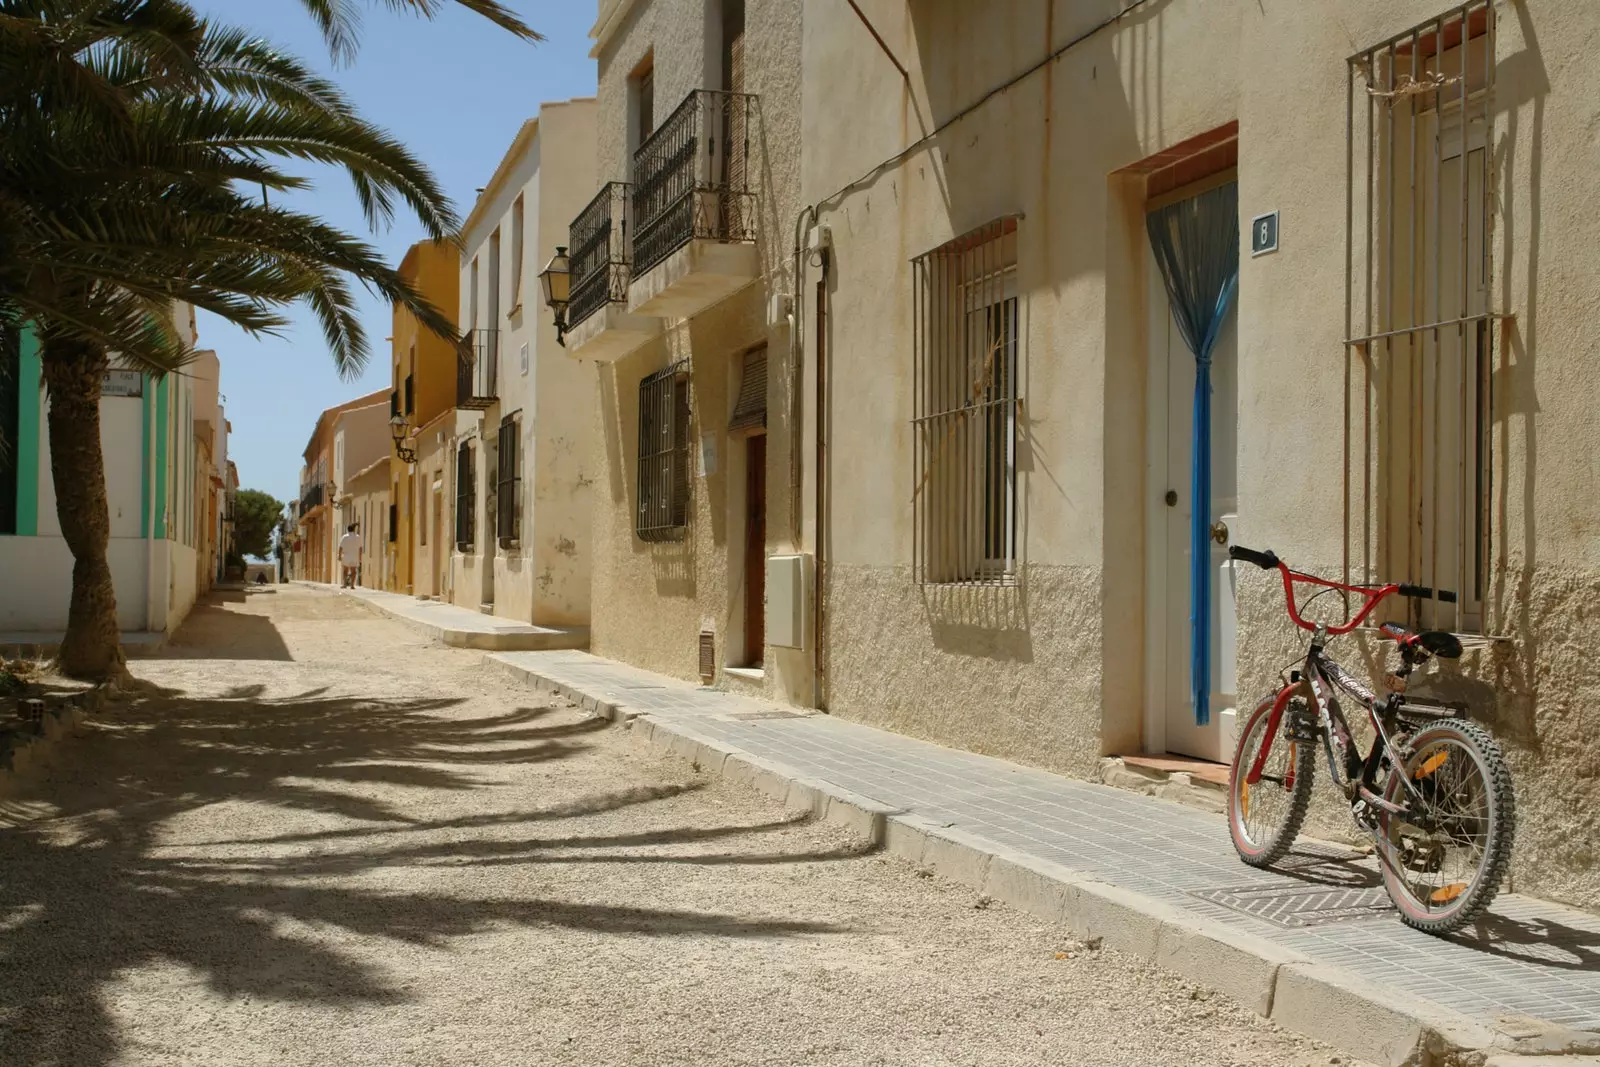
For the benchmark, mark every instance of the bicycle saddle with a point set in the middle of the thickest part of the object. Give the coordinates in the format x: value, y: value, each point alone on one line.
x: 1441, y: 643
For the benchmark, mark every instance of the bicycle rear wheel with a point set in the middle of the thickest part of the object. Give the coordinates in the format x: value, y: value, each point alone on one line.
x: 1265, y: 818
x: 1446, y: 864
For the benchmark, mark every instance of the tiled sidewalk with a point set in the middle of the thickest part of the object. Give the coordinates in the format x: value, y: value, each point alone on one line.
x: 461, y: 627
x: 1530, y: 958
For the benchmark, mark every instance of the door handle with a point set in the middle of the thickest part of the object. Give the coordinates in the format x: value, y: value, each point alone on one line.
x: 1219, y: 532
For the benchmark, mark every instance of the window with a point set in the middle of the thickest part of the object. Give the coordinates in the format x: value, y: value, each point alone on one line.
x: 663, y: 503
x: 394, y: 402
x: 394, y: 523
x: 969, y: 334
x: 508, y: 487
x: 642, y: 105
x: 518, y: 221
x: 1418, y: 470
x: 472, y: 297
x: 466, y: 497
x: 411, y: 396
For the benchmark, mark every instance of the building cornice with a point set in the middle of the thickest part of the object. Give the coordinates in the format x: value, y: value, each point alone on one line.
x: 612, y: 12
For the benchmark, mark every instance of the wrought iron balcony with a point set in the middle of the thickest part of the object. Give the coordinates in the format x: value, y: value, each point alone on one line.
x: 478, y: 370
x: 691, y: 178
x: 312, y: 499
x: 600, y: 255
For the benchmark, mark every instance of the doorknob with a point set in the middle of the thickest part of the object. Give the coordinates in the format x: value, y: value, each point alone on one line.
x: 1219, y: 532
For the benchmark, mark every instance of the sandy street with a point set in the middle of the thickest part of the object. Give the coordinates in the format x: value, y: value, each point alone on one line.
x: 319, y: 839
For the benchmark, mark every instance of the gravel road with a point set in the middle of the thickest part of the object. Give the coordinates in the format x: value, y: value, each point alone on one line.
x: 318, y: 839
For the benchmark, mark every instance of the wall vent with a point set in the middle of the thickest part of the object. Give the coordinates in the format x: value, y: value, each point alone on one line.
x: 708, y: 657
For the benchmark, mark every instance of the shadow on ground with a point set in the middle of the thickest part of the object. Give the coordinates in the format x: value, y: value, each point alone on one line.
x: 108, y: 886
x: 214, y: 631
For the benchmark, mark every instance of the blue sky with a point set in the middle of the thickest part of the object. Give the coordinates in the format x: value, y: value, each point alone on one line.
x: 455, y: 90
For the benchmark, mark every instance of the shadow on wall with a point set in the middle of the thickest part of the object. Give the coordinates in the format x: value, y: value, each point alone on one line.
x: 118, y: 894
x: 987, y: 621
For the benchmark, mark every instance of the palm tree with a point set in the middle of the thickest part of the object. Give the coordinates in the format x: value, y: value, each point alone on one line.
x: 125, y: 139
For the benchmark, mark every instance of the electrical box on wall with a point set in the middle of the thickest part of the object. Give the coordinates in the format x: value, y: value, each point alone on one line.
x: 788, y: 600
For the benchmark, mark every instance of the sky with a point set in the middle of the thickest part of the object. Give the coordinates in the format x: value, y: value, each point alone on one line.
x: 455, y: 90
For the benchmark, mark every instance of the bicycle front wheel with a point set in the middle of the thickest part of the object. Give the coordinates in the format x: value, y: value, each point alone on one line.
x: 1265, y: 817
x: 1447, y: 860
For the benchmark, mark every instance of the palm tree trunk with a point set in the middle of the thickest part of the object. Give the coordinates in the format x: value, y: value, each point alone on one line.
x: 73, y: 372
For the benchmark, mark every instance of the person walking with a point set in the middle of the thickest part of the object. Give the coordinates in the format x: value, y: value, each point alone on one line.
x: 350, y: 555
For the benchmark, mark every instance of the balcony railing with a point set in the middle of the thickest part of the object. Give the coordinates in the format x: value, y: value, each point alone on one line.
x: 478, y: 370
x: 312, y: 499
x: 600, y: 253
x: 691, y: 178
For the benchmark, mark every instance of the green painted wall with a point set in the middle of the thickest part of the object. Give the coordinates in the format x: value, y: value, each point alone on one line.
x: 162, y: 433
x: 29, y: 411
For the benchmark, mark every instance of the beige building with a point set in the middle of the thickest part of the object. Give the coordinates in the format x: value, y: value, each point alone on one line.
x: 522, y: 465
x: 368, y: 505
x: 1005, y: 194
x: 680, y: 294
x: 434, y: 526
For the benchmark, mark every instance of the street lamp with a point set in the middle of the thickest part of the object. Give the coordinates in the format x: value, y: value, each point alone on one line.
x: 556, y: 281
x: 397, y: 430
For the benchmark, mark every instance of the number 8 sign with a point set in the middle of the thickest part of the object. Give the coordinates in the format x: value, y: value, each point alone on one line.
x: 1264, y: 234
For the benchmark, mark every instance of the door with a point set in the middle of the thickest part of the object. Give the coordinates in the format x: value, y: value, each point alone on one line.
x: 755, y: 550
x: 437, y: 580
x: 1169, y: 712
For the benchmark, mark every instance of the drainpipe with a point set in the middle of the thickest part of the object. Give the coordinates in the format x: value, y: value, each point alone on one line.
x: 797, y: 360
x: 819, y: 476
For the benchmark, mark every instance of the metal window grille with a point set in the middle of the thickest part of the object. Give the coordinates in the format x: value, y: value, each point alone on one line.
x: 466, y: 497
x: 600, y: 254
x: 663, y: 503
x: 968, y: 339
x: 688, y: 184
x: 1418, y: 470
x: 478, y: 370
x: 508, y: 496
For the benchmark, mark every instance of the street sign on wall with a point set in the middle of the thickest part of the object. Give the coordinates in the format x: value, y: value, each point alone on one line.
x: 122, y: 383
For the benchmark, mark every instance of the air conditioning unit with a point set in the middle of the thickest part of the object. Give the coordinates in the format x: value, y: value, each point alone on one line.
x: 789, y: 600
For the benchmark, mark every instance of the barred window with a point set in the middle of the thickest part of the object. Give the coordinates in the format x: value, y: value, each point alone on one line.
x: 968, y: 342
x: 663, y: 504
x: 508, y: 495
x: 466, y: 497
x: 1418, y: 472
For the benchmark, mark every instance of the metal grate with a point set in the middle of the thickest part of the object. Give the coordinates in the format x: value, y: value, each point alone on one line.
x: 1418, y: 462
x: 1296, y: 905
x: 664, y: 455
x: 478, y: 370
x: 508, y: 495
x: 688, y: 184
x: 466, y: 497
x: 600, y: 254
x: 969, y: 337
x: 708, y: 656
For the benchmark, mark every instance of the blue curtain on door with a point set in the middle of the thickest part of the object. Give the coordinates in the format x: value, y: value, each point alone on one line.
x: 1196, y: 244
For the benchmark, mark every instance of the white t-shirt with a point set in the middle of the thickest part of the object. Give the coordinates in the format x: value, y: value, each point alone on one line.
x: 350, y: 549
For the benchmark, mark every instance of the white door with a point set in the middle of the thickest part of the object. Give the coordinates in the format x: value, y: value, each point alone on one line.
x: 1169, y: 710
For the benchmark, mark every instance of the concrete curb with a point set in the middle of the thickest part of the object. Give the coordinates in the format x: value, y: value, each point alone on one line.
x: 61, y: 717
x: 575, y: 637
x: 1366, y: 1020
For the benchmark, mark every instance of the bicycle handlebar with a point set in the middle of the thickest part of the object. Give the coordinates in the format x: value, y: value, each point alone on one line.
x: 1267, y: 560
x: 1423, y: 592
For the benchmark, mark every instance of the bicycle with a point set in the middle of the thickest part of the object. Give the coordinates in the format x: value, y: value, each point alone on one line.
x: 1433, y: 790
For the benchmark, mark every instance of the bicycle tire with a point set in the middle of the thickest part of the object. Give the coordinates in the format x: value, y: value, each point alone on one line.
x: 1269, y: 843
x: 1500, y: 807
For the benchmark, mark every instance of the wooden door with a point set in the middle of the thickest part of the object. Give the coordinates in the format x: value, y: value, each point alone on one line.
x: 755, y: 550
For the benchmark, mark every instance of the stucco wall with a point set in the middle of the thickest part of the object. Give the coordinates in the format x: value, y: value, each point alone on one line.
x: 650, y: 602
x: 542, y: 577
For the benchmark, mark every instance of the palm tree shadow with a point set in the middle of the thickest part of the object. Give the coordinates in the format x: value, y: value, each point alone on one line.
x: 100, y: 889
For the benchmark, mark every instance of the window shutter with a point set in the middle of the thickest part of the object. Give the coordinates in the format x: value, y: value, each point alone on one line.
x: 466, y: 496
x: 750, y: 410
